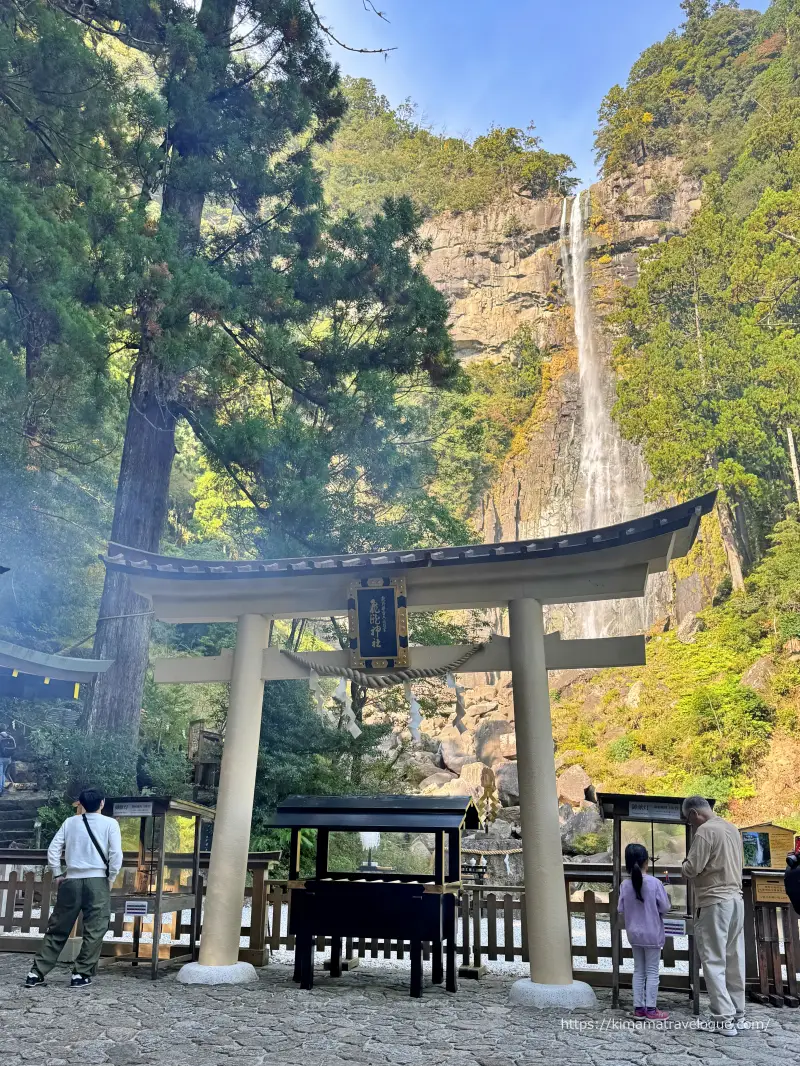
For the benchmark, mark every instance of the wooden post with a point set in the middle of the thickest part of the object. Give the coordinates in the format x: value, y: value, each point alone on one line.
x: 616, y: 934
x: 197, y: 888
x: 416, y: 968
x: 162, y: 844
x: 257, y: 951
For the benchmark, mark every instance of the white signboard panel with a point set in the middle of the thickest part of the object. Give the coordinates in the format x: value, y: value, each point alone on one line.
x: 654, y: 811
x: 136, y: 906
x: 140, y: 809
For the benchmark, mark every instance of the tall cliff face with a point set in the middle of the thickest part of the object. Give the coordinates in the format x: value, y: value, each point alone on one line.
x: 510, y: 265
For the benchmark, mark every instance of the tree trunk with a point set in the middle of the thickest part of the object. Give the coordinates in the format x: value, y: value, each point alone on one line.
x: 730, y: 540
x: 123, y: 628
x: 140, y: 508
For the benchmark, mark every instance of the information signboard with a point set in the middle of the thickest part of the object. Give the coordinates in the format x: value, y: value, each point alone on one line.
x: 654, y: 811
x: 770, y: 890
x: 138, y: 809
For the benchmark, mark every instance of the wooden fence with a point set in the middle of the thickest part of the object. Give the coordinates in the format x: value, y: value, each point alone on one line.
x: 491, y: 924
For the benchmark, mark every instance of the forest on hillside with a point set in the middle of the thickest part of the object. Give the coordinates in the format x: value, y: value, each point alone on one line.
x: 217, y: 339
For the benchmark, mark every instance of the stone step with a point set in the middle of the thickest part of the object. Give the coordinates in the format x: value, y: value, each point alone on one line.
x: 12, y: 804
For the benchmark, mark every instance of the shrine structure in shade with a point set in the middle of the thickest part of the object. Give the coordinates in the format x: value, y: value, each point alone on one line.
x: 524, y: 576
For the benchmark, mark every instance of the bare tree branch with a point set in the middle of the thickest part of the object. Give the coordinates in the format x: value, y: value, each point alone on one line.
x: 349, y: 48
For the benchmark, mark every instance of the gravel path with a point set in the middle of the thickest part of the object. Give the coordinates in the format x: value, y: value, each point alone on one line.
x: 366, y: 1017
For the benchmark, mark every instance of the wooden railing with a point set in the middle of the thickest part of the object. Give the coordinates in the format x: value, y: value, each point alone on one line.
x: 27, y: 898
x: 491, y: 923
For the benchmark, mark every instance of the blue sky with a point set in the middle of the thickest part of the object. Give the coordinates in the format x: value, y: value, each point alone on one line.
x: 469, y: 64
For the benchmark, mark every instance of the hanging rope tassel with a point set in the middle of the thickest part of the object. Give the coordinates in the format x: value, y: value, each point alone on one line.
x: 379, y: 681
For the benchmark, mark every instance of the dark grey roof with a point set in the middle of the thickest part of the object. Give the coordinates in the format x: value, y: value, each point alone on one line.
x: 383, y: 813
x: 617, y: 802
x: 133, y: 561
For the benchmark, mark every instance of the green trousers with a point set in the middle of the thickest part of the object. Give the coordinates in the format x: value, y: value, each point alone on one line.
x: 91, y: 897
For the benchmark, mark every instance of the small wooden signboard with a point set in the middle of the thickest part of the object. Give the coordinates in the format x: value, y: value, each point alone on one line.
x: 770, y: 890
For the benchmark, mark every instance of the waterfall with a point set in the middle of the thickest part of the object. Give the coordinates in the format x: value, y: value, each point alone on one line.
x: 607, y: 493
x: 600, y: 444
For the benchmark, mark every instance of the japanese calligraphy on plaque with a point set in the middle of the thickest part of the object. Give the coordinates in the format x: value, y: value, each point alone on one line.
x: 378, y: 623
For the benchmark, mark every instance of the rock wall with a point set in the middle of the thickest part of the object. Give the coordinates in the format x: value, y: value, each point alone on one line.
x: 504, y: 267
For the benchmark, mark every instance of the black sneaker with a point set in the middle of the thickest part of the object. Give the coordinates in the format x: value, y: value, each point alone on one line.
x: 79, y: 980
x: 33, y: 979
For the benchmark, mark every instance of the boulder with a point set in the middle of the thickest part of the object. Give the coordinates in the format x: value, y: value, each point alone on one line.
x: 792, y: 648
x: 689, y: 628
x: 480, y: 694
x: 760, y: 674
x: 572, y: 785
x: 567, y: 758
x: 508, y: 745
x: 587, y: 820
x: 634, y: 697
x: 441, y: 777
x: 510, y: 815
x: 561, y: 680
x: 601, y: 856
x: 506, y: 778
x: 478, y: 710
x: 487, y: 740
x: 474, y: 779
x: 456, y: 748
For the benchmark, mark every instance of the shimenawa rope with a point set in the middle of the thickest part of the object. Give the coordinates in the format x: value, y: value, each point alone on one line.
x: 382, y: 680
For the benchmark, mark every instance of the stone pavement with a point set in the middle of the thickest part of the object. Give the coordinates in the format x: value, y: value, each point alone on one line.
x: 366, y: 1017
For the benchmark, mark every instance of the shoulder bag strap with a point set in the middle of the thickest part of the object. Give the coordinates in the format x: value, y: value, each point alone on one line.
x: 100, y: 851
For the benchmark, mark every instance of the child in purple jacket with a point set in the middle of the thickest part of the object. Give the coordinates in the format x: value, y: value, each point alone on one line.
x: 643, y: 900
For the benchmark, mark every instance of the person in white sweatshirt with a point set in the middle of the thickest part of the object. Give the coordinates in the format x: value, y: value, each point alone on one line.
x: 90, y: 846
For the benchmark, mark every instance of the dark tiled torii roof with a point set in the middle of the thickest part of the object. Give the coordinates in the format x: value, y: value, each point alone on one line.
x: 135, y: 562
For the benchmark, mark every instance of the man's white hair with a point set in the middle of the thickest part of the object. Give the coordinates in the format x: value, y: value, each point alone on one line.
x: 696, y: 803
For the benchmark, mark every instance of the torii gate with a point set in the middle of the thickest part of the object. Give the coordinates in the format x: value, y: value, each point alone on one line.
x: 609, y: 563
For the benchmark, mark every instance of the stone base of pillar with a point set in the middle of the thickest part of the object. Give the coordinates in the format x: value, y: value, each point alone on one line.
x: 527, y: 993
x: 472, y: 973
x: 241, y: 973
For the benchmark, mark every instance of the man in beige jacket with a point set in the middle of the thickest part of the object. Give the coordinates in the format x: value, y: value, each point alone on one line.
x: 714, y: 865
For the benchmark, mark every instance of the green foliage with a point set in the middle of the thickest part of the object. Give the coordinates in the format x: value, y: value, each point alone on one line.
x: 476, y: 429
x: 708, y: 351
x: 707, y: 381
x: 300, y: 753
x: 590, y: 843
x: 685, y: 91
x: 382, y: 151
x: 51, y: 817
x: 697, y: 729
x: 621, y: 749
x: 729, y: 724
x: 68, y: 761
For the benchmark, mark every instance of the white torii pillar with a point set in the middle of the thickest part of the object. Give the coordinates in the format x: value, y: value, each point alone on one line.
x: 222, y: 918
x: 551, y: 983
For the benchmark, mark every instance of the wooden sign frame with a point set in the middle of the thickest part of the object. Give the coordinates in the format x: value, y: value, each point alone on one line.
x: 377, y: 594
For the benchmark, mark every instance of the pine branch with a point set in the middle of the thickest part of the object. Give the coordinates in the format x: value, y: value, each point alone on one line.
x: 245, y: 236
x: 33, y: 127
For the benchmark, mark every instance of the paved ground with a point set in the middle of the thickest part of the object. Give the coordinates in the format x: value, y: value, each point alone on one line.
x: 365, y: 1018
